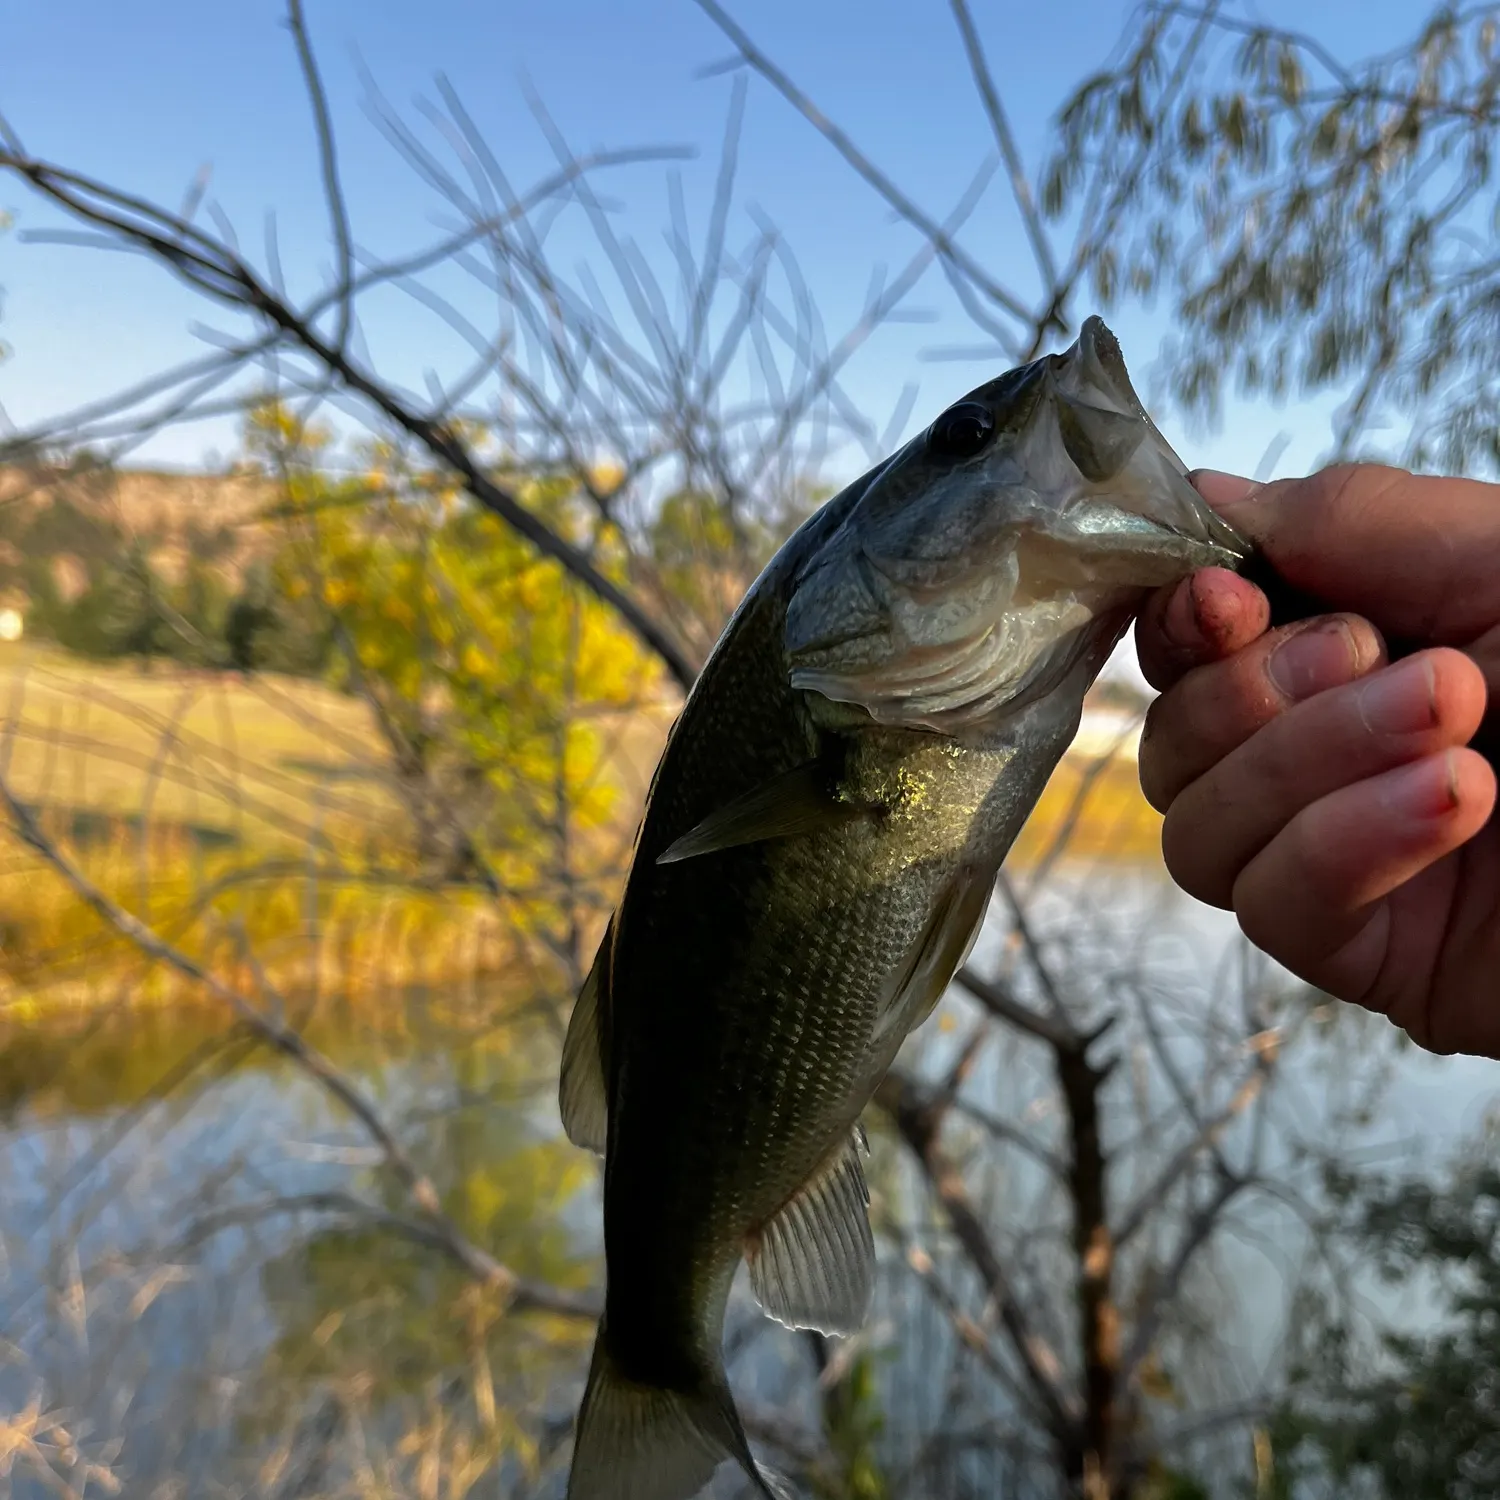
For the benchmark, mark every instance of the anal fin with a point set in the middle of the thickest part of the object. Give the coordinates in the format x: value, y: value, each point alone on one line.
x: 581, y: 1094
x: 812, y: 1264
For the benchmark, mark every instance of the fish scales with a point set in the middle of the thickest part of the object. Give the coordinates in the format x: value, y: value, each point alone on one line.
x: 820, y: 839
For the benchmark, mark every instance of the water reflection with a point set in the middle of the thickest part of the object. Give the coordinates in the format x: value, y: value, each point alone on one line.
x: 184, y: 1274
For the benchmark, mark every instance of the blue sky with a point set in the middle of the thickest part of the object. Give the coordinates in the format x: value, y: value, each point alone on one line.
x: 143, y: 96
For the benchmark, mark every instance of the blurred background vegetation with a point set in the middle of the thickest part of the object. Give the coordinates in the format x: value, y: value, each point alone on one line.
x: 320, y: 773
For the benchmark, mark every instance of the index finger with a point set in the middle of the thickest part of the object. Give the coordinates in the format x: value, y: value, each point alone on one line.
x: 1201, y: 619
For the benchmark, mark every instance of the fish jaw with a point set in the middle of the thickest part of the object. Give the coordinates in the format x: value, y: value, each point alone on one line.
x: 955, y: 591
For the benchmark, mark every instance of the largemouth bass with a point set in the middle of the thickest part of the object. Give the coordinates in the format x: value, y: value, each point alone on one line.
x: 817, y: 853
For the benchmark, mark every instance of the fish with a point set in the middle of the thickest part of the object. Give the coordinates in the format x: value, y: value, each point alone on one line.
x: 816, y: 856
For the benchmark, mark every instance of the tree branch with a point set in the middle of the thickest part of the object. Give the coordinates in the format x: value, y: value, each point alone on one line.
x: 524, y: 1296
x: 1206, y: 1136
x: 277, y: 1035
x: 940, y: 239
x: 217, y: 271
x: 984, y: 81
x: 1005, y: 1007
x: 328, y: 157
x: 920, y: 1128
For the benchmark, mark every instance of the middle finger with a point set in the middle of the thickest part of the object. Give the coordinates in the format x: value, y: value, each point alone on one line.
x: 1216, y: 708
x: 1426, y: 703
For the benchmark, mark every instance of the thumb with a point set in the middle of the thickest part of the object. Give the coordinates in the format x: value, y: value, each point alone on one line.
x: 1221, y: 489
x: 1418, y: 556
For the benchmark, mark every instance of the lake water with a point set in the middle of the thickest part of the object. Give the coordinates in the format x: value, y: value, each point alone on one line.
x: 182, y: 1305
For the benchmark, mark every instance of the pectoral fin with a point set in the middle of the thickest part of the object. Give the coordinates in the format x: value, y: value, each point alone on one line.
x: 581, y: 1093
x: 801, y: 801
x: 933, y: 959
x: 812, y: 1265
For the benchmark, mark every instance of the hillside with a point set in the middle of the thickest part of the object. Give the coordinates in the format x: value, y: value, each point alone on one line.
x: 70, y: 521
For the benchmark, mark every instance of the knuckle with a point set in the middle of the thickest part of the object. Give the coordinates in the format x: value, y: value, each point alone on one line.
x: 1279, y: 773
x: 1261, y: 911
x: 1344, y: 490
x: 1156, y: 763
x: 1280, y: 895
x: 1163, y: 660
x: 1194, y: 859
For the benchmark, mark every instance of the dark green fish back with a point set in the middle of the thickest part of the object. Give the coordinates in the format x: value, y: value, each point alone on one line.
x: 745, y: 983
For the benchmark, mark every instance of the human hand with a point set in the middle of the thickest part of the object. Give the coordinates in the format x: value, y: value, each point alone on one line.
x: 1329, y: 796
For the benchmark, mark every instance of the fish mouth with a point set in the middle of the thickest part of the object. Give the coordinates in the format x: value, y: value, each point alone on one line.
x: 1125, y: 460
x: 961, y: 585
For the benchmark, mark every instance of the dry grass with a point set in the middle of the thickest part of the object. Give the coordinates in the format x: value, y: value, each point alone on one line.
x: 237, y: 817
x: 216, y: 807
x: 249, y: 759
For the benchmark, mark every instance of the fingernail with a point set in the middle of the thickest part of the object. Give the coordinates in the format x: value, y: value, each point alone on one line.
x: 1424, y: 789
x: 1219, y: 488
x: 1320, y: 657
x: 1179, y: 621
x: 1400, y: 700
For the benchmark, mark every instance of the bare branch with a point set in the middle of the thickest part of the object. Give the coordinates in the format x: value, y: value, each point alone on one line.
x: 941, y: 240
x: 1207, y: 1135
x: 920, y: 1127
x: 217, y: 271
x: 524, y: 1295
x: 276, y: 1034
x: 1168, y: 1281
x: 1005, y: 1007
x: 333, y: 192
x: 984, y: 81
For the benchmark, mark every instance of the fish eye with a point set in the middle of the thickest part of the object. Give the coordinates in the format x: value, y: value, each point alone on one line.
x: 962, y: 430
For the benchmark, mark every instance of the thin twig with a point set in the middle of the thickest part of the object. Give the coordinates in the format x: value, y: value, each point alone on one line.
x: 275, y: 1034
x: 333, y: 192
x: 929, y: 227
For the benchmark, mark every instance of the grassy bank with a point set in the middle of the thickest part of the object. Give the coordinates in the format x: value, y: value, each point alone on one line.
x: 256, y: 822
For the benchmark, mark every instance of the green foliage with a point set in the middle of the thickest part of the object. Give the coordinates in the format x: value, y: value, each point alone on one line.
x: 1405, y: 1415
x: 854, y: 1421
x: 1172, y: 1484
x: 492, y: 673
x: 1314, y: 223
x: 705, y: 559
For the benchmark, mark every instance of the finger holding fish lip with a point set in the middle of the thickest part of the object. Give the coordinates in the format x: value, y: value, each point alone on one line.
x: 1341, y: 737
x: 1215, y: 708
x: 1203, y: 618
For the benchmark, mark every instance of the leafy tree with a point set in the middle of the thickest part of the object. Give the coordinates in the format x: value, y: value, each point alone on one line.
x: 1404, y: 1412
x: 1313, y: 222
x: 493, y: 676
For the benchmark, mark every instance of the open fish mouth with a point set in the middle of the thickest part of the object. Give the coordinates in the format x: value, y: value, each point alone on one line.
x: 1001, y: 548
x: 1103, y: 423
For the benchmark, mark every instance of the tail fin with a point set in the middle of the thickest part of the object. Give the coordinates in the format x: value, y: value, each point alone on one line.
x: 645, y: 1442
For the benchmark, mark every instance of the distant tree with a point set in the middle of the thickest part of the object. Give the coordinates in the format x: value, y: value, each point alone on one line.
x: 1312, y: 221
x: 1384, y: 1410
